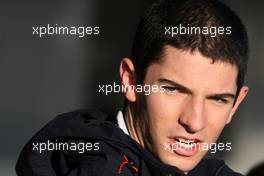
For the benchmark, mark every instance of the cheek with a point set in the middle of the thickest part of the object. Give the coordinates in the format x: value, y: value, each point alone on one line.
x: 163, y: 105
x: 155, y: 111
x: 161, y: 110
x: 159, y: 119
x: 216, y: 121
x: 162, y: 113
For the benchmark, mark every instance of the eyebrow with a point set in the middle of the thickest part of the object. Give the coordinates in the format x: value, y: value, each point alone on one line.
x: 222, y: 95
x: 189, y: 91
x: 175, y: 84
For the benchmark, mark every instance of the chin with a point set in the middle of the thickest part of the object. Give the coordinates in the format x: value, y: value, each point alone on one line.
x: 183, y: 163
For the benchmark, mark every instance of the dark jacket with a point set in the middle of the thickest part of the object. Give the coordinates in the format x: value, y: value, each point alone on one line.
x: 108, y: 151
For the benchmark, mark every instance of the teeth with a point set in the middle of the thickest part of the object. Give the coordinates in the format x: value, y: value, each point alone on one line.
x: 183, y: 141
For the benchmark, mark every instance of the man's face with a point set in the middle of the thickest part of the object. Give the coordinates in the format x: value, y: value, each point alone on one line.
x: 196, y: 105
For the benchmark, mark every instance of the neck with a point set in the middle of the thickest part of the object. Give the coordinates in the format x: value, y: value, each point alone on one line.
x: 133, y: 126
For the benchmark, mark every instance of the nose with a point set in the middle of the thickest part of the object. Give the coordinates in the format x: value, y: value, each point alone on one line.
x: 193, y: 117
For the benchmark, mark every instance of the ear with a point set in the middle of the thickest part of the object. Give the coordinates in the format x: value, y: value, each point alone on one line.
x: 128, y: 77
x: 242, y: 94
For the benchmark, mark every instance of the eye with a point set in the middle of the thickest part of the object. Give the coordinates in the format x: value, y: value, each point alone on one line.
x: 220, y: 100
x: 170, y: 89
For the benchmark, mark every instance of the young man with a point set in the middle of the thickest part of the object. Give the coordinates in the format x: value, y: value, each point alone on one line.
x: 193, y: 56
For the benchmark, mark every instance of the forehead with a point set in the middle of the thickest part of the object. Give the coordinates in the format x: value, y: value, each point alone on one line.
x: 194, y: 70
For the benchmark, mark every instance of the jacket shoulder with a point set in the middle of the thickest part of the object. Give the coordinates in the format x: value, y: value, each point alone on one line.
x: 216, y: 167
x: 71, y: 130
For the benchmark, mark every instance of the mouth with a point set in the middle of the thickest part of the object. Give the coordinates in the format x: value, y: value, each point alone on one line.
x: 184, y: 146
x: 186, y: 142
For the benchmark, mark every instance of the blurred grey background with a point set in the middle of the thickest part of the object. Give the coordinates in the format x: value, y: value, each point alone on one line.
x: 43, y: 77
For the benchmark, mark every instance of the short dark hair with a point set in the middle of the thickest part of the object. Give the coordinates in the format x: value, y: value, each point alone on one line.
x: 150, y: 40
